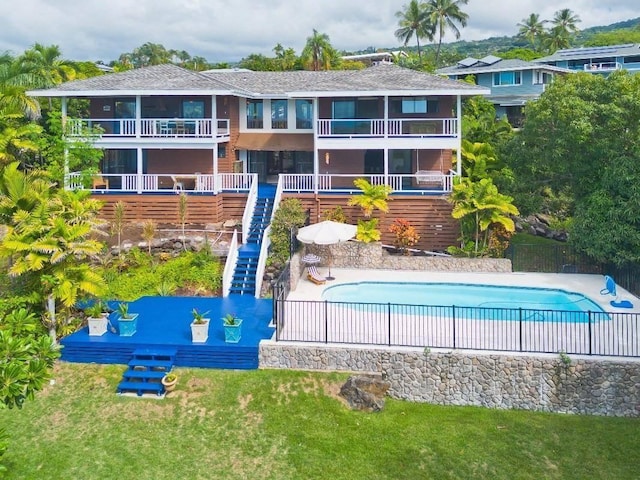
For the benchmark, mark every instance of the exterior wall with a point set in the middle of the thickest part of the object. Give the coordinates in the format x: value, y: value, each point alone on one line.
x: 169, y: 161
x: 510, y: 381
x: 430, y: 215
x: 526, y: 88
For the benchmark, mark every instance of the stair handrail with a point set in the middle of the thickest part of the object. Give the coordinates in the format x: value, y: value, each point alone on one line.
x: 249, y: 207
x: 266, y: 240
x: 230, y: 264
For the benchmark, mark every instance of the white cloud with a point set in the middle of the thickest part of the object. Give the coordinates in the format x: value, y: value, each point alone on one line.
x: 227, y: 30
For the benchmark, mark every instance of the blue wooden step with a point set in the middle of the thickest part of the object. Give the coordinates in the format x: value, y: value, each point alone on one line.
x: 140, y: 388
x: 164, y: 365
x: 155, y: 353
x: 143, y: 375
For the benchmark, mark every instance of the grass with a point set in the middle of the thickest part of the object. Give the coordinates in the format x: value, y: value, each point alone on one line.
x: 287, y: 425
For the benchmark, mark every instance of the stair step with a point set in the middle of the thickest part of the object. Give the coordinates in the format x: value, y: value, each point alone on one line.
x: 165, y: 365
x: 141, y: 387
x: 143, y: 375
x: 155, y: 353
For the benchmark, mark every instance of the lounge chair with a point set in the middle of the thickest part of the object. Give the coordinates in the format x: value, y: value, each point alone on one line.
x: 430, y: 177
x: 610, y: 289
x: 314, y: 276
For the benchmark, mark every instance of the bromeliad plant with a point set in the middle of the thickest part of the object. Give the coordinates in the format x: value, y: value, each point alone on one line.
x: 198, y: 317
x: 230, y: 319
x: 123, y: 310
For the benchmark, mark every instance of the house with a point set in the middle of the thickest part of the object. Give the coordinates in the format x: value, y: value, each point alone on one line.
x: 512, y: 82
x: 597, y: 60
x: 376, y: 57
x: 223, y: 137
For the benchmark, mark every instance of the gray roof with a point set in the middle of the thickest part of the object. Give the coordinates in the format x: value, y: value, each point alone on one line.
x: 585, y: 53
x: 162, y: 79
x: 506, y: 65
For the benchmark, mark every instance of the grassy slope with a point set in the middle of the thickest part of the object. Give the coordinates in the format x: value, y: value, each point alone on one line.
x: 287, y: 424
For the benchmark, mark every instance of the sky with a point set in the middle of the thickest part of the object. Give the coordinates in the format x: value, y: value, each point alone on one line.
x: 228, y: 30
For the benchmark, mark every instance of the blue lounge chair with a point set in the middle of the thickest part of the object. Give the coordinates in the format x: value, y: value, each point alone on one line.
x: 610, y: 289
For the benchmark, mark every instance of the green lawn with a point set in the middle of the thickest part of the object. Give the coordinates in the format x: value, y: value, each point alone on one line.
x: 291, y: 425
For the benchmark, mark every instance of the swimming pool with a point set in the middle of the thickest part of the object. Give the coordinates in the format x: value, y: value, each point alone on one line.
x: 473, y: 301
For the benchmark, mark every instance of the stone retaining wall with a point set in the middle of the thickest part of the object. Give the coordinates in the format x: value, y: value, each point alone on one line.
x: 596, y: 386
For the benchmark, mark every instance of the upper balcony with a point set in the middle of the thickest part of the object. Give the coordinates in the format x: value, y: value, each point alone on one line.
x: 602, y: 66
x: 150, y: 128
x: 394, y: 128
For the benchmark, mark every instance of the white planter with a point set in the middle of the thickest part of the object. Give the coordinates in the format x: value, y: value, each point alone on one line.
x: 97, y: 326
x: 200, y: 331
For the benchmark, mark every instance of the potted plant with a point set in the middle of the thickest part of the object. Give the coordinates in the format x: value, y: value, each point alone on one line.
x: 97, y: 318
x: 199, y: 326
x: 127, y: 322
x: 232, y: 328
x: 169, y: 381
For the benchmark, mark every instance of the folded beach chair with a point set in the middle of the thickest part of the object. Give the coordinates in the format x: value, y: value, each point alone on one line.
x: 314, y: 276
x: 610, y: 289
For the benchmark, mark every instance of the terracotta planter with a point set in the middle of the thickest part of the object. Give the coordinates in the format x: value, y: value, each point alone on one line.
x: 169, y: 386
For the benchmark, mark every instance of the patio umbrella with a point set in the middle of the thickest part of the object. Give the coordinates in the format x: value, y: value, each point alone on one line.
x: 327, y: 233
x: 311, y: 258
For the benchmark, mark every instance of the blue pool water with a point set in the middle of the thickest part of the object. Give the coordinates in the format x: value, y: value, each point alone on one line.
x: 539, y: 303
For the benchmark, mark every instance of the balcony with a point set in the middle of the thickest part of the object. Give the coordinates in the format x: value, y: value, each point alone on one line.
x: 602, y: 66
x: 398, y: 128
x: 420, y: 183
x: 150, y: 128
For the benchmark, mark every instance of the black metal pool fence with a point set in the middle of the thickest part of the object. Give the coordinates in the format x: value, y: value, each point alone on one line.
x: 473, y: 328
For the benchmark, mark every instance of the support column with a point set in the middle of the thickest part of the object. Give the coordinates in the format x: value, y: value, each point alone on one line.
x: 139, y: 169
x: 459, y: 135
x: 214, y: 132
x: 316, y: 163
x: 386, y: 135
x: 63, y: 120
x: 138, y: 115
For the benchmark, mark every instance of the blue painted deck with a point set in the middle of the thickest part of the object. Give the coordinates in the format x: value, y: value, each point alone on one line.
x: 164, y: 322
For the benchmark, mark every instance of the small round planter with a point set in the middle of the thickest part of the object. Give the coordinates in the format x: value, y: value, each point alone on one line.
x: 169, y: 386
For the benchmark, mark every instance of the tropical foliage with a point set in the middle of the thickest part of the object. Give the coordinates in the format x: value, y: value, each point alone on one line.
x: 480, y: 206
x: 289, y: 216
x: 372, y: 197
x: 557, y: 36
x: 406, y: 235
x: 318, y: 53
x: 414, y: 21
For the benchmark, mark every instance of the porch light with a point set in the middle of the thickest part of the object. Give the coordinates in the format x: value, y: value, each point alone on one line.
x: 327, y: 157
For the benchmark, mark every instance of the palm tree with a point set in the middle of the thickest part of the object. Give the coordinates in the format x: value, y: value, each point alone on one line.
x: 446, y: 14
x: 46, y: 63
x: 566, y: 20
x: 14, y: 82
x: 414, y: 20
x: 16, y: 138
x: 372, y: 197
x: 318, y: 54
x: 532, y: 28
x: 49, y: 239
x: 557, y: 39
x: 481, y: 205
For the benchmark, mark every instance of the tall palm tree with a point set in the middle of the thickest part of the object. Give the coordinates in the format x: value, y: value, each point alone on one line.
x: 46, y: 62
x: 14, y: 82
x: 566, y: 20
x: 413, y: 20
x: 446, y: 15
x: 532, y: 29
x: 318, y: 53
x: 16, y: 138
x: 558, y: 38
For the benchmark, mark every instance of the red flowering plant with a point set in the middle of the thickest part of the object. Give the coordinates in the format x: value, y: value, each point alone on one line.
x: 406, y: 235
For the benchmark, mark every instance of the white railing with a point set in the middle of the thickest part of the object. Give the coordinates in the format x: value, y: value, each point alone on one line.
x: 266, y: 241
x: 235, y: 181
x: 397, y: 127
x: 151, y: 127
x: 420, y: 182
x: 145, y: 183
x: 602, y: 66
x: 230, y: 265
x: 249, y: 207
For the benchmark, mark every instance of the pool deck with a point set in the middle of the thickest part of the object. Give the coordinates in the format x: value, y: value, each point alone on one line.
x: 588, y: 285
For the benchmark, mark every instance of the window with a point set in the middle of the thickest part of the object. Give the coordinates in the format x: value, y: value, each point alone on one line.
x: 344, y: 109
x: 414, y: 105
x: 501, y: 79
x: 304, y: 114
x: 278, y: 114
x: 254, y: 114
x: 222, y: 151
x: 542, y: 78
x: 192, y: 109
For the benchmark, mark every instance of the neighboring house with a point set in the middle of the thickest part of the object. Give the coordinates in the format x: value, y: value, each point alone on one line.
x: 376, y: 58
x: 512, y: 82
x: 598, y: 60
x: 217, y: 135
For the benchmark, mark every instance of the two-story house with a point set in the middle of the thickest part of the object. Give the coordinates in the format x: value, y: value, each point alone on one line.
x: 512, y: 82
x: 597, y: 60
x: 219, y: 135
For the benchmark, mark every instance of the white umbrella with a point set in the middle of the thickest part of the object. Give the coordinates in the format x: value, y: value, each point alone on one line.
x: 327, y: 233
